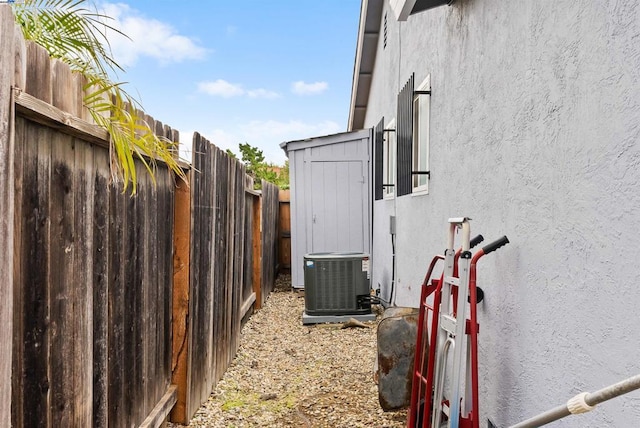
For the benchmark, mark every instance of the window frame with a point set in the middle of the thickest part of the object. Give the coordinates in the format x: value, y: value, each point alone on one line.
x: 420, y: 138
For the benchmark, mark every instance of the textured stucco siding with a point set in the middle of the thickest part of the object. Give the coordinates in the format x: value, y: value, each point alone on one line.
x: 535, y: 133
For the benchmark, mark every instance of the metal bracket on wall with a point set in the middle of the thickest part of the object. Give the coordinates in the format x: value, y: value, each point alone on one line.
x: 427, y: 173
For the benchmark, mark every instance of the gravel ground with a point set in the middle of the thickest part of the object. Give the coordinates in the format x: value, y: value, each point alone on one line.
x: 290, y: 375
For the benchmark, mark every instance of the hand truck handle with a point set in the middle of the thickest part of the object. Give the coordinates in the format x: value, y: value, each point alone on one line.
x: 500, y: 242
x: 475, y: 241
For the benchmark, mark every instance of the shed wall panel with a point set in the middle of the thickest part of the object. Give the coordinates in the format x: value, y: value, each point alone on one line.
x: 330, y: 182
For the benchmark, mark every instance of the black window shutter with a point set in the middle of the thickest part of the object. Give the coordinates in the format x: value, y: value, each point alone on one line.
x: 404, y: 134
x: 378, y: 136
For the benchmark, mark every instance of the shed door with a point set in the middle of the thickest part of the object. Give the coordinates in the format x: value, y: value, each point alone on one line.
x: 339, y: 206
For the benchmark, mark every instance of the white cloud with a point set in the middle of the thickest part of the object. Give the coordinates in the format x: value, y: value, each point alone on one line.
x: 302, y: 88
x: 147, y: 38
x: 291, y: 130
x: 263, y: 93
x: 266, y: 135
x: 222, y: 88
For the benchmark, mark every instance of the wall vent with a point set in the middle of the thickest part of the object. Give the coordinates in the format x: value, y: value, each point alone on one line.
x: 384, y: 39
x: 337, y: 284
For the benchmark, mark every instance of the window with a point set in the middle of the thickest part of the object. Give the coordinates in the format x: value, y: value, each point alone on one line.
x: 412, y: 138
x: 390, y: 159
x: 384, y: 159
x: 420, y: 151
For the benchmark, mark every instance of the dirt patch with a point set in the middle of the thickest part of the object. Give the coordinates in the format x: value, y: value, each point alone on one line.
x: 290, y: 375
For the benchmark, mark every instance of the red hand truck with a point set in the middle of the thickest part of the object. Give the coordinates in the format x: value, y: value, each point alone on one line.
x: 456, y: 286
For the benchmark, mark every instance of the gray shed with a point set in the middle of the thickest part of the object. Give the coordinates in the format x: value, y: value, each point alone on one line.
x: 330, y: 180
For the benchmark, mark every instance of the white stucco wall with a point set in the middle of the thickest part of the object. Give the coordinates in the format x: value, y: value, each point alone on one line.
x: 535, y: 133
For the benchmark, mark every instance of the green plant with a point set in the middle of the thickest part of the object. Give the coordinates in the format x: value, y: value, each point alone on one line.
x: 74, y: 32
x: 253, y: 159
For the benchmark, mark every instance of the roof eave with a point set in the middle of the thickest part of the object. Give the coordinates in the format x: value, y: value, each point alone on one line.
x: 368, y: 34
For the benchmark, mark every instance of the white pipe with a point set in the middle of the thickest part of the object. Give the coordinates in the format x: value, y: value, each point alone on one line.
x: 582, y: 403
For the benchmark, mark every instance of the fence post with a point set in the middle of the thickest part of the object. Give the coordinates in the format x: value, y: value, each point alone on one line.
x: 180, y: 306
x: 7, y: 28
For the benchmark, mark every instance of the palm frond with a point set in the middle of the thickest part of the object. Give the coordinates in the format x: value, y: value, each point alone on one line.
x: 67, y: 29
x: 77, y: 35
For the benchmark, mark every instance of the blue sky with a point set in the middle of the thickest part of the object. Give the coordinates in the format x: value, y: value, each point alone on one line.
x: 255, y: 71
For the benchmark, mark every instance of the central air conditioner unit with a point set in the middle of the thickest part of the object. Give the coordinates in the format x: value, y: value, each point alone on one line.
x: 336, y: 285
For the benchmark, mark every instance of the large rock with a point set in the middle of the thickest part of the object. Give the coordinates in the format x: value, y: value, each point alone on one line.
x: 397, y: 333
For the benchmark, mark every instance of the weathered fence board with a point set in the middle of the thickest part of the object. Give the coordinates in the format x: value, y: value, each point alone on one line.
x: 7, y: 46
x: 233, y: 284
x: 116, y: 275
x: 101, y: 292
x: 257, y: 250
x: 166, y: 210
x: 221, y: 182
x: 33, y: 312
x: 61, y: 280
x: 248, y: 293
x: 83, y: 288
x: 199, y: 315
x: 18, y: 294
x: 38, y: 82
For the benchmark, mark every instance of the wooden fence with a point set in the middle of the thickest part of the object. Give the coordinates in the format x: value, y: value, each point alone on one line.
x: 92, y: 266
x: 105, y: 296
x: 284, y: 230
x: 228, y: 275
x: 270, y: 210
